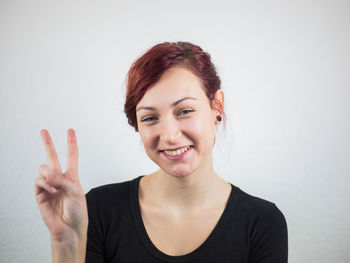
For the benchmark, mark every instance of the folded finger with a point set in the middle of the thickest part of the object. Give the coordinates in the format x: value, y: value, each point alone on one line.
x: 45, y: 171
x: 41, y: 184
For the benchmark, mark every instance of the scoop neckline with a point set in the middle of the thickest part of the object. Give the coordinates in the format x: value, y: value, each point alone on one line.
x: 146, y: 241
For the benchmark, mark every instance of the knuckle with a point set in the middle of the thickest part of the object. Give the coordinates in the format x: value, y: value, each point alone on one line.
x: 43, y: 167
x: 40, y: 180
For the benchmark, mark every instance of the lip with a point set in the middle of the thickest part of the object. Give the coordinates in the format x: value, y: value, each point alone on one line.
x: 177, y: 157
x: 175, y: 149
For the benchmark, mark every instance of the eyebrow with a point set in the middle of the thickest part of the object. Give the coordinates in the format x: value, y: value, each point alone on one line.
x: 173, y: 105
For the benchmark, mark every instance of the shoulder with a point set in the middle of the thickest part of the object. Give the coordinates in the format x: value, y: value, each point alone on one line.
x: 258, y: 211
x: 104, y: 191
x: 110, y: 194
x: 265, y: 228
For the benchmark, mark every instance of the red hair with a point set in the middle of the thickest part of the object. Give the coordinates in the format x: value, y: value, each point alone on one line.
x: 148, y: 69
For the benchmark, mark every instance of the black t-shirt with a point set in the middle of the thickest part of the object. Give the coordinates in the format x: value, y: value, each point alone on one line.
x: 250, y: 230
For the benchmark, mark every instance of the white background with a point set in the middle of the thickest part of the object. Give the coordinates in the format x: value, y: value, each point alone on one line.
x: 285, y: 70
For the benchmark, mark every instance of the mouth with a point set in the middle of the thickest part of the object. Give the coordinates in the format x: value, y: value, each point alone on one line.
x: 177, y: 151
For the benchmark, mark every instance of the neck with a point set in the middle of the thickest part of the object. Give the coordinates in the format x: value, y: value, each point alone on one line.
x: 187, y: 193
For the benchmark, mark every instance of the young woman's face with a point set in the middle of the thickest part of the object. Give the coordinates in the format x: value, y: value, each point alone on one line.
x: 176, y: 123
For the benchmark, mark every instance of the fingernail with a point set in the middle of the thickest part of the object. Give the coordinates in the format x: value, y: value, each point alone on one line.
x: 71, y: 135
x: 49, y: 177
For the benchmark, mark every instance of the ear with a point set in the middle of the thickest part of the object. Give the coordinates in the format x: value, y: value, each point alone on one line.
x: 220, y: 100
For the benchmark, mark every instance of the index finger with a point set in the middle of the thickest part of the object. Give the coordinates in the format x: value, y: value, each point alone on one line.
x: 72, y: 164
x: 51, y: 153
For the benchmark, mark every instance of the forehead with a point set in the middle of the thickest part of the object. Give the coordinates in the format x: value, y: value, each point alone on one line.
x: 174, y: 84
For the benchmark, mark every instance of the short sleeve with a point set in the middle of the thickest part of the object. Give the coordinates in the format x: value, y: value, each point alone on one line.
x: 269, y: 239
x: 95, y: 244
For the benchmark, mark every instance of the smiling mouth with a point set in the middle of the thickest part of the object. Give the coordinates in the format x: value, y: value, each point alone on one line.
x: 177, y: 151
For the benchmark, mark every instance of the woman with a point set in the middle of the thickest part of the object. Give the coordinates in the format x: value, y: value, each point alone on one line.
x: 184, y: 211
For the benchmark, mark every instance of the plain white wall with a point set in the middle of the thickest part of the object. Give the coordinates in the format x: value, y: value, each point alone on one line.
x: 285, y: 70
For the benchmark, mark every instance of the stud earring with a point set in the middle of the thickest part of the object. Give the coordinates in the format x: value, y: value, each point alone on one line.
x: 218, y: 118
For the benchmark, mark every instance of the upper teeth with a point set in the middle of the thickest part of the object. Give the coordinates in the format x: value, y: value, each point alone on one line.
x: 178, y: 151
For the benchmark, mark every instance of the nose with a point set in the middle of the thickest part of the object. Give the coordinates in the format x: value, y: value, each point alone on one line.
x: 169, y: 131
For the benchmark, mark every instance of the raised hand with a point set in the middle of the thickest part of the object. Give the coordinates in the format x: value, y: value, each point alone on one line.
x: 60, y: 197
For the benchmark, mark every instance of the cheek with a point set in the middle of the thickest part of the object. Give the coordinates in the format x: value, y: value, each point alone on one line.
x: 194, y: 126
x: 147, y: 137
x: 200, y: 128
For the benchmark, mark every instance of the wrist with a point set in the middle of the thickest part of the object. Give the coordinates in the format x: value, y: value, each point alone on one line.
x: 69, y: 249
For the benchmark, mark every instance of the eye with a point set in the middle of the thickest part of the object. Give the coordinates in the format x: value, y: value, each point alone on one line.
x: 150, y: 118
x: 184, y: 112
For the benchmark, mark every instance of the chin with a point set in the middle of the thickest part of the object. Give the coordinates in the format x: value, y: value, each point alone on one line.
x: 179, y: 173
x: 179, y: 170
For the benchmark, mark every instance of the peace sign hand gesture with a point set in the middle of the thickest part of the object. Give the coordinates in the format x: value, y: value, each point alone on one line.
x: 60, y: 197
